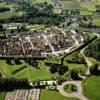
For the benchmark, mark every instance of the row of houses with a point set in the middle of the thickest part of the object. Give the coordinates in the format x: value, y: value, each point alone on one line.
x: 38, y: 41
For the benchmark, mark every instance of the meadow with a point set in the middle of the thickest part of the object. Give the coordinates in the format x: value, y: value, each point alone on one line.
x: 45, y: 94
x: 91, y: 87
x: 28, y: 72
x: 8, y: 14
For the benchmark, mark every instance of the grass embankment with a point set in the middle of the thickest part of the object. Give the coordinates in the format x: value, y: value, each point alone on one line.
x: 8, y: 14
x: 28, y: 72
x: 78, y: 67
x: 92, y: 88
x: 53, y: 95
x: 2, y: 95
x: 96, y: 21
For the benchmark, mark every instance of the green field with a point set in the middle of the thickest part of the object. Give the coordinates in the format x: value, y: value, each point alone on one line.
x: 5, y: 15
x: 30, y: 72
x: 2, y: 95
x: 90, y: 6
x: 42, y: 1
x: 7, y: 5
x: 96, y: 21
x: 85, y: 13
x: 69, y: 4
x: 35, y: 27
x: 92, y: 88
x: 34, y: 74
x: 75, y: 66
x: 53, y: 95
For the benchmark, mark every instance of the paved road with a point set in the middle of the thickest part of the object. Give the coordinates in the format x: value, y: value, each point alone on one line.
x: 77, y: 94
x: 89, y: 63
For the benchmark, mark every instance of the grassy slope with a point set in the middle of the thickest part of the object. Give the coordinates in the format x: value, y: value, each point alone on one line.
x: 96, y: 21
x: 34, y: 74
x: 92, y: 88
x: 90, y: 6
x: 7, y: 14
x: 52, y: 95
x: 8, y: 69
x: 2, y: 95
x: 29, y: 72
x: 72, y: 66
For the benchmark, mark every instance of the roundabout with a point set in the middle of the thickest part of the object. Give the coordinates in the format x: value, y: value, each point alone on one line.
x: 77, y: 94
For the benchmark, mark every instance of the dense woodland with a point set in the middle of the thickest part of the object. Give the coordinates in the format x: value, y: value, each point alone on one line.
x: 3, y: 9
x: 93, y: 50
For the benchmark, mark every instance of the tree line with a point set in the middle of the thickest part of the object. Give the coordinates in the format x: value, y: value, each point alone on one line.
x: 3, y: 9
x: 8, y: 84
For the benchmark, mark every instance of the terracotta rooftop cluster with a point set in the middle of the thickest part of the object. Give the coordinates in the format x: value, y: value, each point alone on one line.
x: 49, y: 40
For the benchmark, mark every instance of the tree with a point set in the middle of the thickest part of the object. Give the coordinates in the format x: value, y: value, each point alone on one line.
x: 58, y: 68
x: 94, y: 70
x: 74, y: 75
x: 1, y: 28
x: 95, y: 50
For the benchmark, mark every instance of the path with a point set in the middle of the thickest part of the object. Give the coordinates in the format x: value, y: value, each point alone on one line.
x: 77, y: 94
x: 89, y: 63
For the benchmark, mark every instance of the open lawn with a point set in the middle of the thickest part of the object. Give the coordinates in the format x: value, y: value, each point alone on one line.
x: 88, y: 6
x: 7, y: 69
x: 53, y: 95
x: 75, y: 66
x: 29, y: 72
x: 34, y: 74
x: 92, y: 88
